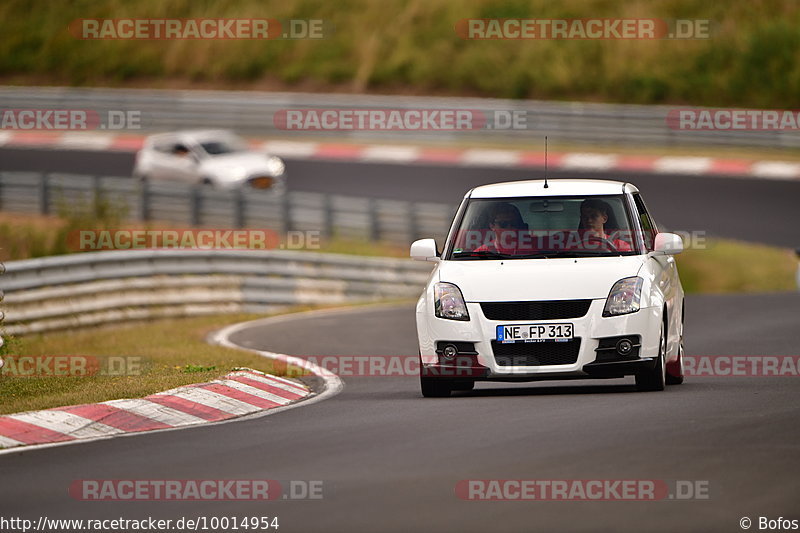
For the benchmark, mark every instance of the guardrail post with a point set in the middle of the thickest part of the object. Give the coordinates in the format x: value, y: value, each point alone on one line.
x: 327, y: 214
x: 44, y: 194
x: 96, y: 189
x: 798, y: 268
x: 194, y: 206
x: 239, y: 206
x: 413, y: 226
x: 144, y: 199
x: 374, y: 220
x: 286, y: 213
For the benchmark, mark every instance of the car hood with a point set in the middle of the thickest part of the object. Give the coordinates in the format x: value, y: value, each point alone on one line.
x: 538, y: 279
x: 236, y: 164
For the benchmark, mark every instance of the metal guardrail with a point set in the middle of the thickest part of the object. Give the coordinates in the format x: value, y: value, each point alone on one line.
x: 391, y: 221
x: 252, y: 113
x: 2, y: 295
x: 100, y: 287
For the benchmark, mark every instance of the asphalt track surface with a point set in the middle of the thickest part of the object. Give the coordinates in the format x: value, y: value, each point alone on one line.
x: 390, y: 460
x: 757, y: 210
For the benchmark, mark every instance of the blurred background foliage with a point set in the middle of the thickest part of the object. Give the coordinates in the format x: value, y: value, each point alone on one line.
x: 411, y: 47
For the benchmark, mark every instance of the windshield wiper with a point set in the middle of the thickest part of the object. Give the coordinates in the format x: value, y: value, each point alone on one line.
x: 579, y: 253
x: 481, y: 254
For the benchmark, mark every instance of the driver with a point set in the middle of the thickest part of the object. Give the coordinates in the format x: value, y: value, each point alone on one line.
x: 594, y: 215
x: 509, y: 232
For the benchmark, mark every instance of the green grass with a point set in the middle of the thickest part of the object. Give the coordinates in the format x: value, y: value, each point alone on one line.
x: 733, y: 266
x: 172, y: 353
x: 410, y: 46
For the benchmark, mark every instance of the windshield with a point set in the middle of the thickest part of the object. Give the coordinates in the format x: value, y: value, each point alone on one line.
x: 543, y: 227
x: 223, y: 145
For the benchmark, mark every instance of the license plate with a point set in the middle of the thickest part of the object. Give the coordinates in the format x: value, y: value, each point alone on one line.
x: 534, y: 333
x: 262, y: 182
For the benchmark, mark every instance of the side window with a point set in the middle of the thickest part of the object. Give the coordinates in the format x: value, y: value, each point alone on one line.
x: 164, y: 146
x: 648, y: 225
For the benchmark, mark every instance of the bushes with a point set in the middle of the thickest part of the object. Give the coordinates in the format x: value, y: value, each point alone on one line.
x: 411, y: 47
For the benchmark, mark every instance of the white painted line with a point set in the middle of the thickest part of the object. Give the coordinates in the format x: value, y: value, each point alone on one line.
x: 8, y: 442
x: 78, y: 140
x: 683, y: 165
x: 295, y: 384
x: 157, y: 412
x: 249, y: 389
x: 290, y: 148
x: 274, y: 381
x: 491, y: 157
x: 776, y: 169
x: 588, y: 161
x: 66, y: 423
x: 390, y: 153
x: 214, y: 400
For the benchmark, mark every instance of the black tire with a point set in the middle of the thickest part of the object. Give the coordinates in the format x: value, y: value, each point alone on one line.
x: 676, y: 377
x: 463, y: 385
x: 655, y: 379
x: 435, y: 387
x: 675, y: 370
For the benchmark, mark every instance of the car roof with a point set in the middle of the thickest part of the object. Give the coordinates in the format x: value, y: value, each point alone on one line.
x: 193, y: 135
x: 555, y: 187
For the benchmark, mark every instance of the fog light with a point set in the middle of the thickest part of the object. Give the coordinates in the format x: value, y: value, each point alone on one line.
x: 450, y: 351
x: 624, y: 346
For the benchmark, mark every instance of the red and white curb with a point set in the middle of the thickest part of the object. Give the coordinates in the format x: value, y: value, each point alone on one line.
x: 239, y: 393
x: 578, y: 161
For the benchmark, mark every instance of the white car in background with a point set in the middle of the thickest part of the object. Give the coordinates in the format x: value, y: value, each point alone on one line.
x: 212, y: 157
x: 560, y: 280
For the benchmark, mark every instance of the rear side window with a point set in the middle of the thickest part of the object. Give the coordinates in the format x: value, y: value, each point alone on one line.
x: 648, y: 225
x: 165, y: 146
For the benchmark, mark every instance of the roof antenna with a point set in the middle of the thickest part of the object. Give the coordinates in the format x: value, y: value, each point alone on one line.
x: 545, y: 162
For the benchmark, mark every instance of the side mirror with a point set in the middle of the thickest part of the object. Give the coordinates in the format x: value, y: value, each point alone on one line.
x: 668, y: 243
x: 424, y: 250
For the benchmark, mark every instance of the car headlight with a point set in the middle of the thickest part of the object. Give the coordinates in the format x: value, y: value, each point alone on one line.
x: 624, y: 298
x: 275, y: 165
x: 449, y: 303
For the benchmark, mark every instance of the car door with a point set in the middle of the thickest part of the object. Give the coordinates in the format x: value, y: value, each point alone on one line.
x: 173, y: 160
x: 665, y: 273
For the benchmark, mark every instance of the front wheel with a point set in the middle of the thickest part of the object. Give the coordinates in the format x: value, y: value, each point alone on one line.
x: 675, y: 368
x: 435, y: 387
x: 655, y: 379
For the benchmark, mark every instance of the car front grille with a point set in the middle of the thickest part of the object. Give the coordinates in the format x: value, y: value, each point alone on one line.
x: 536, y: 310
x: 536, y: 353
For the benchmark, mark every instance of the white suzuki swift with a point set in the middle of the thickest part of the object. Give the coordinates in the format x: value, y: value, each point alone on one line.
x: 551, y: 280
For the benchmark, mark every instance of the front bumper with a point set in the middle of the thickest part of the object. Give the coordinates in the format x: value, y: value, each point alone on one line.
x: 590, y: 329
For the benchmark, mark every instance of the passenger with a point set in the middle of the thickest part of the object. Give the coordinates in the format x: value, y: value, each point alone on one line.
x: 594, y: 216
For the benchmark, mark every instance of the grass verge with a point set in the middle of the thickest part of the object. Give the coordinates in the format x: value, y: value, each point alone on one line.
x: 172, y: 353
x: 411, y: 46
x: 734, y: 266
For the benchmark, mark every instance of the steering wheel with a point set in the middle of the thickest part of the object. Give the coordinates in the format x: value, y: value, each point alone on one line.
x: 602, y: 240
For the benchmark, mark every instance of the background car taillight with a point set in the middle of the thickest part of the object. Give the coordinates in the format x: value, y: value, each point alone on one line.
x: 448, y: 302
x: 624, y: 297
